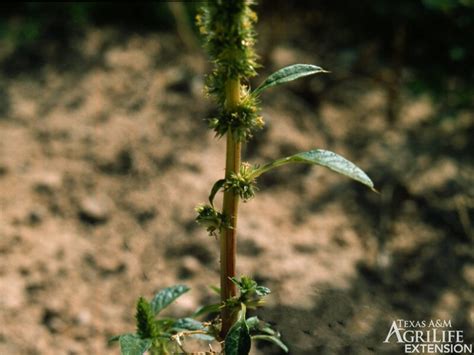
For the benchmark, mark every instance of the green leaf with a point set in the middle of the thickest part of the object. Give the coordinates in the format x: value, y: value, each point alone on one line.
x: 216, y: 289
x: 238, y: 341
x: 166, y: 296
x: 217, y: 186
x: 256, y: 325
x: 114, y: 338
x: 209, y: 309
x: 164, y: 324
x: 132, y: 344
x: 324, y: 158
x: 253, y: 323
x: 203, y: 337
x: 289, y: 73
x: 272, y: 339
x: 188, y: 324
x: 262, y: 291
x: 259, y: 327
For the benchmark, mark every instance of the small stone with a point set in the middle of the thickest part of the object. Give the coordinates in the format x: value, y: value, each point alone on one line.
x: 197, y: 250
x: 142, y: 206
x: 11, y: 289
x: 3, y: 170
x: 35, y: 216
x: 106, y: 264
x: 94, y: 209
x: 52, y: 321
x: 249, y: 247
x: 179, y: 81
x: 468, y: 273
x: 127, y: 58
x: 197, y: 86
x: 120, y: 163
x: 84, y: 317
x: 190, y: 266
x: 47, y: 182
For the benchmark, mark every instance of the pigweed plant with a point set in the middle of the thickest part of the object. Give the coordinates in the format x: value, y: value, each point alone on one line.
x: 227, y: 29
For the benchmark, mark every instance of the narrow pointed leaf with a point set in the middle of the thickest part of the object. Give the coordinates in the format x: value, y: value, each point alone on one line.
x: 215, y: 289
x: 272, y: 339
x: 253, y: 323
x: 238, y: 341
x: 188, y: 324
x: 166, y: 296
x: 114, y: 338
x: 259, y: 327
x: 209, y: 309
x: 324, y: 158
x: 289, y: 73
x: 132, y: 344
x: 217, y: 186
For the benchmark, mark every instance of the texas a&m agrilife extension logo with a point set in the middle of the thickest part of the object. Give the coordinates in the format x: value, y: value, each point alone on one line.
x: 428, y: 337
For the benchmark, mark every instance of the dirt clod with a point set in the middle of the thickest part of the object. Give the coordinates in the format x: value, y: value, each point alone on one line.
x: 94, y: 209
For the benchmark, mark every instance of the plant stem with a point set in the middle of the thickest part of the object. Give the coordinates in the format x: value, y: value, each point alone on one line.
x: 230, y: 210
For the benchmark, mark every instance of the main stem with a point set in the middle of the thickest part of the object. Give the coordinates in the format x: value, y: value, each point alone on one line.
x: 230, y: 210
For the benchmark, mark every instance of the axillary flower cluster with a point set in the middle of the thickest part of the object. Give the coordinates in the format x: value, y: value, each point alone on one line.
x: 242, y: 184
x: 227, y: 29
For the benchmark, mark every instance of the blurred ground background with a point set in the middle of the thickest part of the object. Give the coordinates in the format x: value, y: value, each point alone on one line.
x: 104, y: 153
